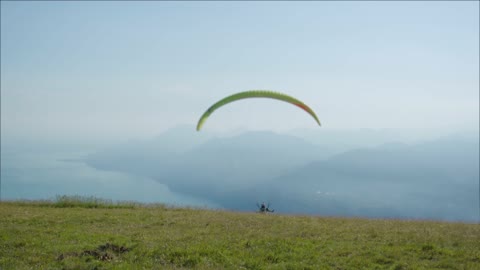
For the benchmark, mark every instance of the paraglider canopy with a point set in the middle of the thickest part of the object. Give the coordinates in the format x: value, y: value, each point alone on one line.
x: 255, y: 94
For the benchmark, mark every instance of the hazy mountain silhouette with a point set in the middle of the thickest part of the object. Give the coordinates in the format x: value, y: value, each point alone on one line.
x: 436, y: 179
x: 148, y: 157
x: 228, y: 164
x: 212, y: 166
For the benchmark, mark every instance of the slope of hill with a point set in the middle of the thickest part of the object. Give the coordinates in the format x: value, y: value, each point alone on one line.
x: 131, y: 236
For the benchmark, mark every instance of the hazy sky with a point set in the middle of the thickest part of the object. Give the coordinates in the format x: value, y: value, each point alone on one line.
x: 127, y: 69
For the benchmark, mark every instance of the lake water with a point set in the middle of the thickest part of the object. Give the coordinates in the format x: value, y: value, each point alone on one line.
x: 44, y: 175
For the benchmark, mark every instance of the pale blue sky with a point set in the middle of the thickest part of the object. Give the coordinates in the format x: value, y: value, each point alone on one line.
x: 129, y: 69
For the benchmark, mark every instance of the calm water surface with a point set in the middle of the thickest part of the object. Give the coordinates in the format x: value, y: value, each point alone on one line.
x: 30, y: 175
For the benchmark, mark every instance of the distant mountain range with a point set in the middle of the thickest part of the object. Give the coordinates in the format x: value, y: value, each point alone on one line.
x: 210, y: 164
x: 435, y: 179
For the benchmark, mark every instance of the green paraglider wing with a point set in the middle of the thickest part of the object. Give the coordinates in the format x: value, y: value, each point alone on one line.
x: 255, y: 94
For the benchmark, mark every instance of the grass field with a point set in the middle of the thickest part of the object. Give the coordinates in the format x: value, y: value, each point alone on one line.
x: 76, y: 233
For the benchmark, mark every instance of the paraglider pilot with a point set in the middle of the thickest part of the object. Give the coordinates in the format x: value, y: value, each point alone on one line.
x: 264, y: 208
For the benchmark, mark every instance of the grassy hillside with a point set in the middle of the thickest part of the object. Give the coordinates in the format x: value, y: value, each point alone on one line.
x: 102, y: 235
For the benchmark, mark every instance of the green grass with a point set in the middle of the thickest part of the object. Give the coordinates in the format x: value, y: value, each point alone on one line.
x: 88, y: 233
x: 81, y: 201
